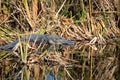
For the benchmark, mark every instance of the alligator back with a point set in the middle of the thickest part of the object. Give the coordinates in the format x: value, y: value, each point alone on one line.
x: 38, y: 39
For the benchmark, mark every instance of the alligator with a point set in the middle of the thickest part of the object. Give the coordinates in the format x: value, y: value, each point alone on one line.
x: 38, y: 39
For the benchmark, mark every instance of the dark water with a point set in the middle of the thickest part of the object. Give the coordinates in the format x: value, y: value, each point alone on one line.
x: 88, y: 64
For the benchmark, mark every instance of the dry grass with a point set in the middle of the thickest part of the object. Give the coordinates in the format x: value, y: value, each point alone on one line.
x: 93, y: 24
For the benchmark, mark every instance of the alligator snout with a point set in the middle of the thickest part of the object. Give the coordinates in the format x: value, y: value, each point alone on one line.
x: 38, y: 39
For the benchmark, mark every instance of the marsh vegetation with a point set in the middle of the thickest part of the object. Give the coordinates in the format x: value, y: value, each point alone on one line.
x: 92, y: 24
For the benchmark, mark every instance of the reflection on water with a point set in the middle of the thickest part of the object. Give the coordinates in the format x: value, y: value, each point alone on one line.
x: 50, y: 76
x: 83, y: 64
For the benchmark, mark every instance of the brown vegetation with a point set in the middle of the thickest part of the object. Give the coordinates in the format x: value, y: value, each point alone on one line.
x: 92, y: 24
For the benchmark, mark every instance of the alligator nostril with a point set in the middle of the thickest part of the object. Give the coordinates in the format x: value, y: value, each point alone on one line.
x: 38, y: 39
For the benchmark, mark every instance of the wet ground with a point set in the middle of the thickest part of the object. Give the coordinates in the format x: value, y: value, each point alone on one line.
x: 83, y: 64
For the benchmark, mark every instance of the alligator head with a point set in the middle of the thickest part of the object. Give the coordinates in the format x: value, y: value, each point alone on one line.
x: 55, y: 41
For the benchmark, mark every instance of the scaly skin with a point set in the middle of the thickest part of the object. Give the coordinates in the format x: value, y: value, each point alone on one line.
x: 37, y: 39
